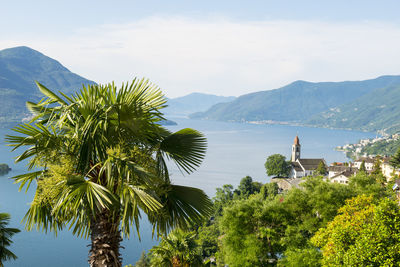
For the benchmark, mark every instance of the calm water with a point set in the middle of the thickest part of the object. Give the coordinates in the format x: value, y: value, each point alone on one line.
x: 234, y: 151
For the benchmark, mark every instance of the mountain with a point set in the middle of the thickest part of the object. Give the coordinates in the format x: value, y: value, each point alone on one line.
x: 310, y: 103
x: 19, y: 68
x: 194, y: 102
x: 377, y: 110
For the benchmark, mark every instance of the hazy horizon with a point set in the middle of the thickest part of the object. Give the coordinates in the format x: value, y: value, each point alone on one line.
x: 227, y: 48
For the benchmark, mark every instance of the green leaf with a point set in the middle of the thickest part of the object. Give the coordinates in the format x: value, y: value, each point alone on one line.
x: 49, y: 93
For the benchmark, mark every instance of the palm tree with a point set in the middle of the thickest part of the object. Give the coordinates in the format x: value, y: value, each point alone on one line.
x: 178, y: 249
x: 102, y: 154
x: 5, y: 238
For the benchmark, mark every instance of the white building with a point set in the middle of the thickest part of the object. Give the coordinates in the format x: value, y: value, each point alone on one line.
x: 368, y: 162
x: 388, y: 170
x: 341, y: 174
x: 302, y: 167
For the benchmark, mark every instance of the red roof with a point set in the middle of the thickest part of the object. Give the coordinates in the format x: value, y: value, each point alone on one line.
x: 296, y: 140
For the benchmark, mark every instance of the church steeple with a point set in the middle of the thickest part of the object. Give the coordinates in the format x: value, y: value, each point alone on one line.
x: 296, y: 149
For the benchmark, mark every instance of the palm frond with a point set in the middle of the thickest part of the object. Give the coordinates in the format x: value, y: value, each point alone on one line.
x: 40, y: 217
x: 182, y: 207
x: 49, y: 93
x: 186, y: 147
x: 27, y: 178
x: 6, y: 234
x: 132, y: 198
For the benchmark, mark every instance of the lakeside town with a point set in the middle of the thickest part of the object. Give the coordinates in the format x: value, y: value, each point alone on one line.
x: 359, y: 149
x: 338, y: 172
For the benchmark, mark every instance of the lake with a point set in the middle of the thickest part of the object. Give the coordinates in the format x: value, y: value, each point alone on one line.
x: 234, y: 151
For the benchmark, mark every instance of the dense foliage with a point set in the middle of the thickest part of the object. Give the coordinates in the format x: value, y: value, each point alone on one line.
x: 381, y: 147
x: 265, y: 228
x: 6, y: 234
x: 321, y: 169
x: 276, y: 164
x: 365, y: 233
x: 178, y: 248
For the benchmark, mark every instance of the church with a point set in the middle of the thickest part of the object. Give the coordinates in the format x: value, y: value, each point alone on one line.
x: 302, y: 167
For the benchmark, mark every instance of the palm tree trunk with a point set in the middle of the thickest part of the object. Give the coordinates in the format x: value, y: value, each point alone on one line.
x: 106, y: 238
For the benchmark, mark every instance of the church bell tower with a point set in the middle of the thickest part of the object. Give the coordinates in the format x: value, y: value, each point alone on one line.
x: 296, y: 149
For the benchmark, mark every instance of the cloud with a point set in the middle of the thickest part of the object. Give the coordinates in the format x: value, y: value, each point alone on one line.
x: 225, y: 57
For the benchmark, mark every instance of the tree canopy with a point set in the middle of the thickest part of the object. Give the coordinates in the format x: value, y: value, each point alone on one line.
x: 321, y: 169
x: 363, y: 234
x: 276, y: 164
x: 178, y: 249
x: 6, y: 233
x: 275, y: 228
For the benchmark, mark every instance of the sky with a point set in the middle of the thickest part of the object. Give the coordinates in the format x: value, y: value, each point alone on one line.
x: 219, y: 47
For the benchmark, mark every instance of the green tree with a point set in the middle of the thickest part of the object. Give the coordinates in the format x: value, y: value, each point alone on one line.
x: 269, y: 228
x: 178, y: 249
x: 207, y: 239
x: 248, y: 187
x: 241, y: 245
x: 102, y: 157
x: 362, y: 167
x: 276, y: 164
x: 222, y: 197
x: 363, y: 234
x: 301, y: 258
x: 269, y: 190
x: 6, y: 234
x: 362, y: 183
x: 395, y: 160
x: 377, y: 166
x: 321, y: 169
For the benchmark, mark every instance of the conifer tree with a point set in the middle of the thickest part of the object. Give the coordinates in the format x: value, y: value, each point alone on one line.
x: 362, y: 167
x: 395, y: 161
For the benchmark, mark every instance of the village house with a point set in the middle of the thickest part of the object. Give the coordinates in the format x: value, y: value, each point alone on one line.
x: 341, y: 174
x: 338, y: 173
x: 368, y: 162
x: 388, y: 170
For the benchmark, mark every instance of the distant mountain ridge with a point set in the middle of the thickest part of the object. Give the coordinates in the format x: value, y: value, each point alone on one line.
x: 19, y: 68
x: 309, y: 103
x: 368, y: 105
x: 194, y: 102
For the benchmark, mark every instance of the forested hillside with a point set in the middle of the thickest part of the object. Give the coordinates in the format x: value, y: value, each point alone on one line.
x: 20, y: 67
x: 377, y: 110
x: 327, y: 104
